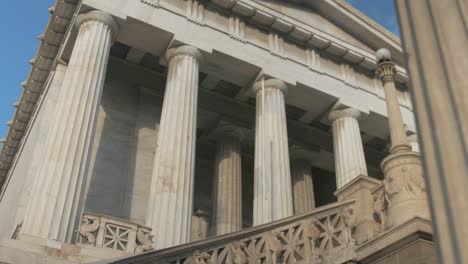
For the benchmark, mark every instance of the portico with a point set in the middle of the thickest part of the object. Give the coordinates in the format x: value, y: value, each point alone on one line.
x: 188, y: 139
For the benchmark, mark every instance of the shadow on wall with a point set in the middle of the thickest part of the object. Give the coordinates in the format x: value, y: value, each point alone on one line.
x: 124, y: 147
x: 324, y: 187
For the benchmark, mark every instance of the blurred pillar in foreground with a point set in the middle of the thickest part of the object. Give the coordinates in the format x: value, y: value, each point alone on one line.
x: 435, y: 41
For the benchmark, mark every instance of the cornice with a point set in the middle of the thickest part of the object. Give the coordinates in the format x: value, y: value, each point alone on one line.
x: 305, y: 34
x: 41, y: 66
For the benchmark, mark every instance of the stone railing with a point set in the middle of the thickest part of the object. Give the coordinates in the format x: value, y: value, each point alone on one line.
x: 107, y: 232
x: 320, y: 236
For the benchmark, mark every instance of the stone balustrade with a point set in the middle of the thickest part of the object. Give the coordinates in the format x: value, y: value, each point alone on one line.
x: 107, y: 232
x: 323, y: 235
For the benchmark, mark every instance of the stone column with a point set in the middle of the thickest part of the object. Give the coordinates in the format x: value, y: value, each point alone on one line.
x: 200, y: 224
x: 303, y: 187
x: 170, y: 200
x: 347, y: 146
x: 54, y: 207
x: 437, y: 62
x: 272, y: 178
x: 404, y: 183
x: 227, y: 185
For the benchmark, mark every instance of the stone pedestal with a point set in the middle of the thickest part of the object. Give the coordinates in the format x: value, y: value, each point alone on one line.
x: 360, y: 189
x: 200, y: 224
x: 170, y: 201
x: 303, y: 186
x: 347, y: 146
x: 410, y: 242
x: 404, y: 183
x: 227, y: 184
x: 272, y: 178
x: 54, y: 206
x: 404, y: 188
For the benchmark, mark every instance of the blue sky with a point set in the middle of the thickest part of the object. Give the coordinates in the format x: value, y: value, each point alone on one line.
x: 20, y: 24
x: 22, y: 21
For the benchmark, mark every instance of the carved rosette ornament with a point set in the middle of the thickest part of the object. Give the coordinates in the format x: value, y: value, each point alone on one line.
x: 404, y: 186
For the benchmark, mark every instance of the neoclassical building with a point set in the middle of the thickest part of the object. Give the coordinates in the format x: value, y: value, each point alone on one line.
x: 214, y: 131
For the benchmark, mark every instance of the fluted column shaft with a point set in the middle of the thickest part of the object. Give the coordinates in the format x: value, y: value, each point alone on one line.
x: 303, y: 187
x: 170, y: 201
x: 386, y: 71
x: 54, y: 206
x: 347, y: 145
x: 227, y: 200
x: 272, y: 177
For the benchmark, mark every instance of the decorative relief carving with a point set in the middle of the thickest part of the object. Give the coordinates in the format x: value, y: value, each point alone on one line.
x: 108, y: 232
x: 237, y: 254
x: 144, y: 240
x: 349, y: 220
x: 325, y: 237
x: 404, y: 186
x: 237, y: 29
x: 201, y: 258
x: 195, y: 12
x: 276, y: 45
x: 380, y: 208
x: 404, y: 181
x: 88, y: 228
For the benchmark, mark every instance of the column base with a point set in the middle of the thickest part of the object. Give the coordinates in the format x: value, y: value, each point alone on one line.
x: 405, y: 190
x: 360, y: 189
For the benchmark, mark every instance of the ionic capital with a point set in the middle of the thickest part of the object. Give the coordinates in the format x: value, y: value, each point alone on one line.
x: 184, y: 50
x: 344, y: 113
x: 100, y: 16
x: 271, y: 83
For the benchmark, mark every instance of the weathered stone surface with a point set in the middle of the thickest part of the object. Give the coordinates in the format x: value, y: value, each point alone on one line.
x: 348, y: 150
x: 272, y: 192
x: 227, y: 192
x: 302, y: 186
x: 171, y: 194
x: 57, y: 194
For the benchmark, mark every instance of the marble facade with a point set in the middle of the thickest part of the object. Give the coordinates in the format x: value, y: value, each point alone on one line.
x: 213, y: 122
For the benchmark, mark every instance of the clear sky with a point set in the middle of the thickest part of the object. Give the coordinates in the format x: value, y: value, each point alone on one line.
x: 22, y: 21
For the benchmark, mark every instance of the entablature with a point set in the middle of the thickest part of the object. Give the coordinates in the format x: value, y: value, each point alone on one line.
x: 301, y: 33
